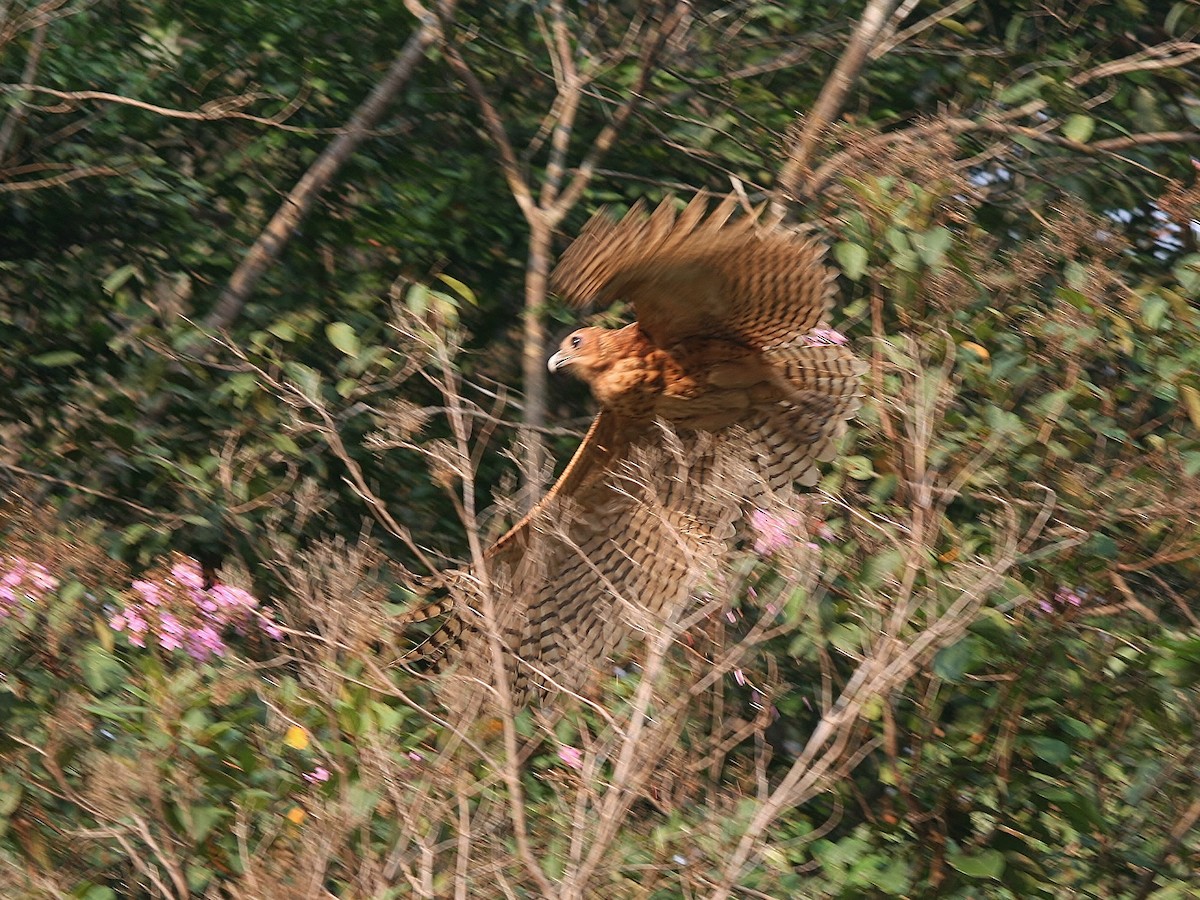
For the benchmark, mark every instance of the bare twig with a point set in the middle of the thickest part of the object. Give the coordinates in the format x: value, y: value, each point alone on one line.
x: 214, y: 110
x: 37, y: 184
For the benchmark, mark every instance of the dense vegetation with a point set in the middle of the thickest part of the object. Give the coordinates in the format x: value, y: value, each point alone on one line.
x: 967, y: 667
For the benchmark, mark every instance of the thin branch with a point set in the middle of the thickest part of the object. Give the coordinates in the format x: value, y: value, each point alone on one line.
x: 832, y: 97
x: 509, y: 164
x: 999, y: 125
x: 608, y: 135
x: 37, y: 184
x: 888, y: 44
x: 17, y: 113
x: 300, y: 200
x: 221, y: 108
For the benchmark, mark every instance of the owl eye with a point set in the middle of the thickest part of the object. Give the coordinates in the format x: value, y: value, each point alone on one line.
x: 576, y: 340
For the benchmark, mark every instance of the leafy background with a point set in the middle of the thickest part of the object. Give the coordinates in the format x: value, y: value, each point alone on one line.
x: 1016, y: 261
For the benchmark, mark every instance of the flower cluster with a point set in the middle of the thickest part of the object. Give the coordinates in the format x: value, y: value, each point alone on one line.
x: 22, y: 580
x: 180, y: 612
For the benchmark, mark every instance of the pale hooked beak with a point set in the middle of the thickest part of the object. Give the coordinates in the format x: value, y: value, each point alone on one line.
x: 557, y: 361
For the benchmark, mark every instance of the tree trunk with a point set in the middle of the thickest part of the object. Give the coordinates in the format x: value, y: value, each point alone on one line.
x: 533, y: 355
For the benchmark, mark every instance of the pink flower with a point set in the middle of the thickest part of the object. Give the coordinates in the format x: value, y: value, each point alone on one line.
x: 183, y: 614
x: 42, y: 579
x: 24, y: 580
x: 820, y: 337
x: 232, y: 597
x: 319, y: 774
x: 1063, y: 596
x: 775, y: 532
x: 149, y: 591
x: 188, y: 573
x: 572, y: 756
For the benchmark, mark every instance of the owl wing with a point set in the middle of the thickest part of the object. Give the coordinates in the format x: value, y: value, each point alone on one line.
x: 619, y: 545
x: 701, y: 274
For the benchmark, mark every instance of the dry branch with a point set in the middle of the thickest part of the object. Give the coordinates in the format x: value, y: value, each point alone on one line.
x: 545, y: 207
x: 297, y: 204
x: 833, y: 95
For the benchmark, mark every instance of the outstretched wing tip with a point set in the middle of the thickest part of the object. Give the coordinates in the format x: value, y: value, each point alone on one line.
x: 702, y: 271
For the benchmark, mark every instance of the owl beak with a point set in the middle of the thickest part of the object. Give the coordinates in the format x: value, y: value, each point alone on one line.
x: 557, y: 361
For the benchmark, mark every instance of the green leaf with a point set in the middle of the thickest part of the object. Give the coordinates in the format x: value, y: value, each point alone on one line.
x: 847, y: 638
x: 57, y: 358
x: 932, y: 245
x: 117, y: 279
x: 305, y: 377
x: 198, y: 877
x: 101, y: 670
x: 852, y: 258
x: 72, y: 591
x: 1079, y: 128
x: 342, y: 337
x: 1023, y: 90
x: 1049, y: 749
x: 11, y: 792
x: 1171, y: 22
x: 1154, y: 311
x: 954, y: 661
x: 1191, y: 463
x: 1187, y: 270
x: 134, y: 533
x: 362, y: 800
x: 284, y: 443
x: 985, y: 864
x: 459, y: 288
x: 859, y: 468
x: 283, y: 330
x: 1100, y: 545
x: 1076, y: 274
x: 417, y: 299
x: 203, y: 818
x: 881, y: 566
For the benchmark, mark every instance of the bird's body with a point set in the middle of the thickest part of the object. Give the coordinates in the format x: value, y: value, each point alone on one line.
x: 698, y: 383
x: 717, y: 398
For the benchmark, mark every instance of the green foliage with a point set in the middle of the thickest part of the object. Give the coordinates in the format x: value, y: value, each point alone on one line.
x: 1024, y: 284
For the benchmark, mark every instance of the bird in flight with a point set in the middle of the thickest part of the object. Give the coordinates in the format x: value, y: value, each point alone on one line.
x: 722, y: 396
